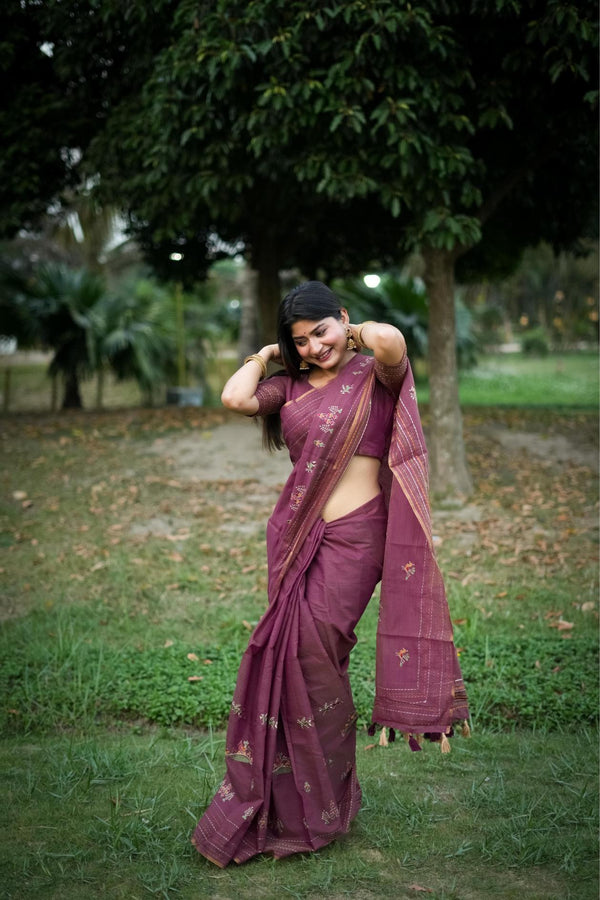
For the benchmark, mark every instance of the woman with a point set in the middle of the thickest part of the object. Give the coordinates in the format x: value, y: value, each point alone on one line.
x: 353, y: 509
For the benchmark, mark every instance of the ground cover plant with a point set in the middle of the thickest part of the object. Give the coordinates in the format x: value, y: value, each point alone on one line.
x: 130, y: 584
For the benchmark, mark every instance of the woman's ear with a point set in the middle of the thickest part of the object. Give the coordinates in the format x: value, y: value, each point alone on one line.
x: 345, y: 316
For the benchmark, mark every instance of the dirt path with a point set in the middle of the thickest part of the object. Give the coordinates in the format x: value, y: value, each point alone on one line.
x: 234, y: 450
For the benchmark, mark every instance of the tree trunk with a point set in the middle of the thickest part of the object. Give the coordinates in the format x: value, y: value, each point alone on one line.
x: 72, y: 395
x: 265, y: 261
x: 249, y: 341
x: 447, y: 460
x: 100, y: 387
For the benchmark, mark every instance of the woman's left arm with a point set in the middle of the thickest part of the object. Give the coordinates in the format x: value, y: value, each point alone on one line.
x: 386, y: 341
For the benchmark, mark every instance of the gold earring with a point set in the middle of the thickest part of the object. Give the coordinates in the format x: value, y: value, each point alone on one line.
x: 350, y: 342
x: 304, y: 366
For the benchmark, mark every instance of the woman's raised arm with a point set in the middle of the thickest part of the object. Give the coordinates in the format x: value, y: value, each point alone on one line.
x: 239, y: 391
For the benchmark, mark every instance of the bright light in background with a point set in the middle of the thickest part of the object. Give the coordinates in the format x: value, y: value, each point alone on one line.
x: 176, y: 257
x: 371, y: 281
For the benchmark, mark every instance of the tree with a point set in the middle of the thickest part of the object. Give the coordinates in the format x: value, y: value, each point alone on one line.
x: 61, y: 309
x: 465, y: 130
x: 458, y: 121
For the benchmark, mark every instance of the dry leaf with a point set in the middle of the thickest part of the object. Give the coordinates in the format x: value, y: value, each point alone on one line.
x: 168, y: 643
x: 193, y: 657
x: 371, y: 747
x: 195, y: 678
x: 19, y: 495
x: 246, y: 624
x: 588, y: 607
x: 419, y: 887
x: 176, y: 557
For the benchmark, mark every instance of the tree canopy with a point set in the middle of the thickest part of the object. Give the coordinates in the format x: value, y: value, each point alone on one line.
x: 334, y: 135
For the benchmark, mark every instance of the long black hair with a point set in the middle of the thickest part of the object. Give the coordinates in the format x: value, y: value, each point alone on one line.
x: 311, y: 300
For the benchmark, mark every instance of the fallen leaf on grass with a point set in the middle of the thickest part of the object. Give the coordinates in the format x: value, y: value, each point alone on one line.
x: 195, y: 677
x: 561, y: 625
x: 419, y: 887
x: 98, y: 565
x: 193, y: 657
x: 371, y: 747
x: 588, y: 607
x: 19, y: 495
x: 176, y: 557
x: 168, y: 643
x: 246, y: 624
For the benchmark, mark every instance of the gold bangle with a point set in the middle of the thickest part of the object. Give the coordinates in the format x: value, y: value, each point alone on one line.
x: 258, y: 359
x: 359, y: 329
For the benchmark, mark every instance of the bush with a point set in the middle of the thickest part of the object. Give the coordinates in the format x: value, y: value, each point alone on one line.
x: 535, y: 342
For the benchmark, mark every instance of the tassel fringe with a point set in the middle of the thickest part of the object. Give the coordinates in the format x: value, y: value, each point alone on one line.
x: 465, y: 730
x: 445, y: 744
x: 383, y: 741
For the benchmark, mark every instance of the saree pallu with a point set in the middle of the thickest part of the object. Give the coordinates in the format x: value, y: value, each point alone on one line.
x: 291, y: 781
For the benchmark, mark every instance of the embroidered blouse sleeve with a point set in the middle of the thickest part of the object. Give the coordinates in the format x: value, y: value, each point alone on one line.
x: 271, y: 394
x: 391, y: 377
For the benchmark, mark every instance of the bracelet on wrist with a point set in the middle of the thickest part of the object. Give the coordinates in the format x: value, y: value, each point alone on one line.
x: 259, y: 361
x: 359, y: 331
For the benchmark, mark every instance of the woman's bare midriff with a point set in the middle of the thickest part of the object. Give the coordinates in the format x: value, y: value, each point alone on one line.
x: 357, y: 486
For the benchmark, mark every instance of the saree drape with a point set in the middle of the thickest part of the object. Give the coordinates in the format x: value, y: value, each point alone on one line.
x: 290, y: 749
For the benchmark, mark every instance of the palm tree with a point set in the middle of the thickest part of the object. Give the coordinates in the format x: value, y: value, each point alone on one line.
x: 136, y: 328
x: 63, y: 301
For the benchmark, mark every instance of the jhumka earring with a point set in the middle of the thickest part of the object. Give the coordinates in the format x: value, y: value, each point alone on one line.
x: 304, y: 366
x: 350, y: 342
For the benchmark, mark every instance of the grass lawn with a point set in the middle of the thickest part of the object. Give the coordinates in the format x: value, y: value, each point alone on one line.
x: 567, y: 379
x: 123, y: 577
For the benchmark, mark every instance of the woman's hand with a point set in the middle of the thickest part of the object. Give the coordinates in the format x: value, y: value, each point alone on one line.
x: 271, y: 353
x: 386, y: 341
x: 238, y: 393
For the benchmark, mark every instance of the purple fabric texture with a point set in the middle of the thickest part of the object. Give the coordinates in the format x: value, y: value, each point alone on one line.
x: 291, y: 783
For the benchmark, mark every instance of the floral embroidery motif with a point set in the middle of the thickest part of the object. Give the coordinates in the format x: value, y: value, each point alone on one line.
x: 297, y: 496
x: 349, y: 723
x: 281, y: 764
x: 331, y: 704
x: 311, y: 465
x: 266, y: 719
x: 318, y: 443
x: 403, y: 656
x: 409, y: 569
x: 330, y: 418
x: 304, y: 722
x: 248, y: 813
x: 236, y: 709
x: 306, y: 787
x: 262, y: 822
x: 412, y: 393
x: 225, y: 791
x: 346, y: 388
x: 243, y: 752
x: 331, y: 814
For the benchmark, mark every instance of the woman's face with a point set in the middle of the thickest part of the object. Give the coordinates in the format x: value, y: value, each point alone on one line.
x: 321, y: 343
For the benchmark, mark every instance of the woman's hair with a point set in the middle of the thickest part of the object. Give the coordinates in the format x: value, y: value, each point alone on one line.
x: 311, y: 300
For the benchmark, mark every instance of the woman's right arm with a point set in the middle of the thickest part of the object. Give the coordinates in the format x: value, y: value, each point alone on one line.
x: 239, y: 392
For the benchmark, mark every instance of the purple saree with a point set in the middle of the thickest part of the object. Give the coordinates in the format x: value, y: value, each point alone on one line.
x: 291, y: 781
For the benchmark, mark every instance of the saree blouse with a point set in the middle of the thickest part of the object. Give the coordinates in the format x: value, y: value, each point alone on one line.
x: 274, y: 392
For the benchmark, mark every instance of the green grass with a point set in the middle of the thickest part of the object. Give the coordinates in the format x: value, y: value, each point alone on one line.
x: 511, y: 379
x: 110, y: 815
x: 116, y: 566
x: 568, y: 379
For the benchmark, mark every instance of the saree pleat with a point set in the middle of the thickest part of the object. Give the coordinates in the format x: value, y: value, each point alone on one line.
x: 291, y: 782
